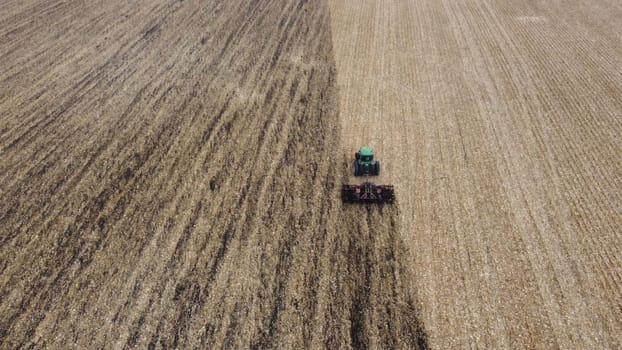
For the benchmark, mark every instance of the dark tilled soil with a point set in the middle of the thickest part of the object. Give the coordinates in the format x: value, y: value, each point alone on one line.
x: 170, y: 176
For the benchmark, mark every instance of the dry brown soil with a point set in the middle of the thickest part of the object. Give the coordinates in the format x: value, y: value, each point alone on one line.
x: 500, y: 124
x: 170, y: 174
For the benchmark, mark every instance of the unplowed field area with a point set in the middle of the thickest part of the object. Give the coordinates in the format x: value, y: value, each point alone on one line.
x: 170, y: 174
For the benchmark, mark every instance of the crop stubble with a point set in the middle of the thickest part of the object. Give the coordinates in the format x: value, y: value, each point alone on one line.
x: 499, y: 123
x: 169, y: 178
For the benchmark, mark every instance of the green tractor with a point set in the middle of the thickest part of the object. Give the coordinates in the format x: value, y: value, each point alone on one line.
x: 364, y: 164
x: 367, y: 192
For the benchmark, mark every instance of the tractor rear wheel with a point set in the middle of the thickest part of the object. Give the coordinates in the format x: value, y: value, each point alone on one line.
x: 377, y: 168
x: 357, y: 169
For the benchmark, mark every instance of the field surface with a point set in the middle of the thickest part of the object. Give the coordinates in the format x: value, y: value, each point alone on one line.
x: 500, y: 123
x: 170, y: 174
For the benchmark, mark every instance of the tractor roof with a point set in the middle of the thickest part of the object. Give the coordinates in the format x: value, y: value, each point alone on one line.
x: 366, y: 151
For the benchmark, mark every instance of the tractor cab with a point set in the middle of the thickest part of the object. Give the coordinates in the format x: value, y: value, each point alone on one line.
x: 364, y: 163
x: 366, y: 155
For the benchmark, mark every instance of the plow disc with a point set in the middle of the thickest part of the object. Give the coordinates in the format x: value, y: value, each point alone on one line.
x: 367, y: 192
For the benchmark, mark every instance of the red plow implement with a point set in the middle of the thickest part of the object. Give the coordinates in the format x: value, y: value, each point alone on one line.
x: 368, y: 192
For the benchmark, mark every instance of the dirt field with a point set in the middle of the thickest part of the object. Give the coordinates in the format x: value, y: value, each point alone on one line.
x: 499, y: 122
x: 170, y: 174
x: 170, y: 178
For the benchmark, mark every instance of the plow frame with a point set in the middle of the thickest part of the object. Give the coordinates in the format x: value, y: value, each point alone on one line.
x: 368, y: 192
